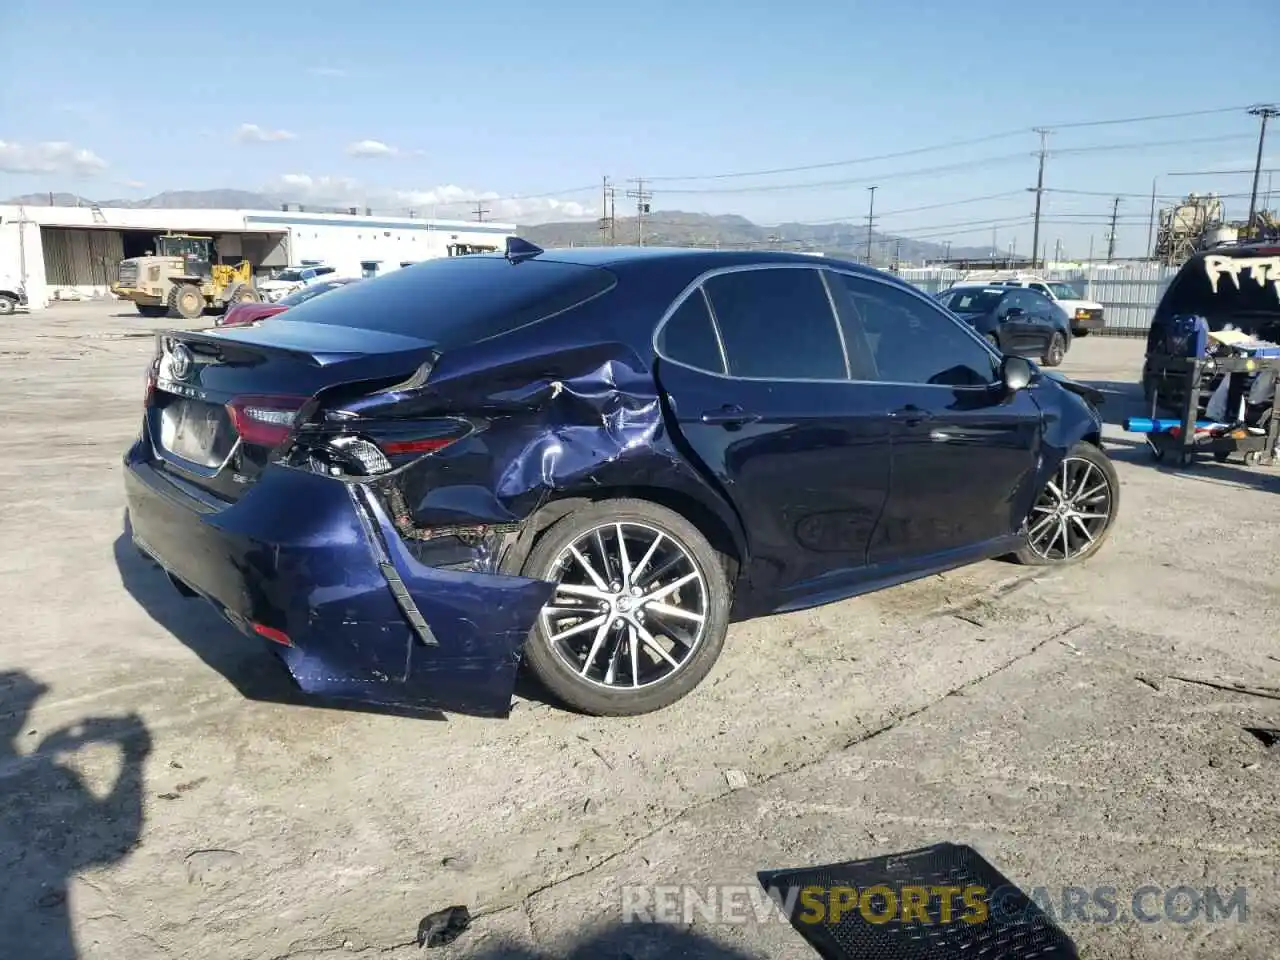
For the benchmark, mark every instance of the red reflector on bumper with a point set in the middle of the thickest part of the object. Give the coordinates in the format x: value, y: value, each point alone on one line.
x: 270, y: 633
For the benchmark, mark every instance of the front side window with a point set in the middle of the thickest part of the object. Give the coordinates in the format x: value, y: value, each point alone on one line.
x: 777, y: 324
x: 910, y: 339
x: 1064, y: 291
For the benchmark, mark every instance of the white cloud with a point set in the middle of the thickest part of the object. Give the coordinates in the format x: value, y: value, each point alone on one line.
x: 370, y: 148
x: 252, y: 133
x: 53, y: 156
x: 448, y: 202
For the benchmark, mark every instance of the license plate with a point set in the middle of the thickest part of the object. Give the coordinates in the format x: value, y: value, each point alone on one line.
x: 194, y: 431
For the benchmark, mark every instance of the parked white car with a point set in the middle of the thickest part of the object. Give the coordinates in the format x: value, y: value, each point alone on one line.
x: 290, y: 281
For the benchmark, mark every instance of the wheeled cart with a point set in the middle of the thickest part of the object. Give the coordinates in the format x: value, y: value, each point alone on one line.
x: 1183, y: 440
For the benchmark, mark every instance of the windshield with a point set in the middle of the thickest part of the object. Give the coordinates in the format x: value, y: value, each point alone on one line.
x: 1063, y: 291
x: 289, y: 276
x: 311, y: 292
x: 971, y: 300
x: 1226, y: 289
x: 458, y: 300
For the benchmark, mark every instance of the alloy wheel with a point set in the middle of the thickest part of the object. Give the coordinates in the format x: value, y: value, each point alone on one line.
x: 1072, y: 512
x: 1057, y: 350
x: 630, y: 607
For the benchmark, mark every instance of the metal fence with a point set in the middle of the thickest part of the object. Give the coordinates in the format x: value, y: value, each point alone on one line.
x: 1128, y: 294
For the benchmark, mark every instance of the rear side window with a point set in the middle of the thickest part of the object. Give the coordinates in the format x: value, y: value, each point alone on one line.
x: 777, y: 324
x: 453, y: 301
x: 689, y: 336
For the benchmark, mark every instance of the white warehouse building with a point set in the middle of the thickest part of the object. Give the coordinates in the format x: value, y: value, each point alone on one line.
x: 59, y: 253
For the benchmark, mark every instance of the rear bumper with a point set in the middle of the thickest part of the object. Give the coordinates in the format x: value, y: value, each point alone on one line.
x: 1088, y: 323
x: 317, y: 560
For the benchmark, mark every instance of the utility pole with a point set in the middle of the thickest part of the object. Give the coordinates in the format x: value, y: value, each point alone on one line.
x: 1151, y: 222
x: 481, y: 210
x: 1091, y: 248
x: 947, y: 246
x: 1057, y: 250
x: 1111, y: 237
x: 606, y: 221
x: 1039, y: 192
x: 642, y: 198
x: 1265, y: 112
x: 871, y: 219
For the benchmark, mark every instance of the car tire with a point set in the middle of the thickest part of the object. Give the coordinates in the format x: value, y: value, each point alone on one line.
x: 1056, y: 352
x: 608, y: 690
x: 1087, y: 467
x: 7, y: 306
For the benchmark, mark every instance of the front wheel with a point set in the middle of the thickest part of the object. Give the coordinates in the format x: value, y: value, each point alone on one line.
x: 186, y: 301
x: 640, y: 611
x: 1056, y: 352
x: 1074, y: 511
x: 7, y: 305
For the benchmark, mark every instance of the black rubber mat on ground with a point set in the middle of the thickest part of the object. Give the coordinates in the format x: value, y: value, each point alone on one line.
x: 892, y: 908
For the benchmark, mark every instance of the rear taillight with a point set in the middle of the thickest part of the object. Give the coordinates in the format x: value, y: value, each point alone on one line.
x: 369, y: 456
x: 153, y: 373
x: 264, y: 421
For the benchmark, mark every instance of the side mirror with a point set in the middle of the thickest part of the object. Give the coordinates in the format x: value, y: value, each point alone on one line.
x: 1016, y: 372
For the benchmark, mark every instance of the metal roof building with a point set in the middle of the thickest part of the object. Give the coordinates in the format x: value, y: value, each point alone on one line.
x: 75, y: 252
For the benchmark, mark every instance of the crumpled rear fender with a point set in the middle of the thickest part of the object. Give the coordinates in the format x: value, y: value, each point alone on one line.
x: 588, y: 422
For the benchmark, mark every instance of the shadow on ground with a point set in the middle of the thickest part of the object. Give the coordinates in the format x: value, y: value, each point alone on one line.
x: 53, y: 825
x: 629, y: 942
x: 247, y: 665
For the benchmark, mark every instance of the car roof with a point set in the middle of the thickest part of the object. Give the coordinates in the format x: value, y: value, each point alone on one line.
x: 692, y: 259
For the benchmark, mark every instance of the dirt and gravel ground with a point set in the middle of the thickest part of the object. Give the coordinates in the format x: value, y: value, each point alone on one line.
x: 166, y: 795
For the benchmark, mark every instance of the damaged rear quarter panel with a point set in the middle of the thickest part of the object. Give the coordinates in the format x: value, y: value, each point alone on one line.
x: 559, y: 416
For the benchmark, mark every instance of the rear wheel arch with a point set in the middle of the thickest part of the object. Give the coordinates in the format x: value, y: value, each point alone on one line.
x: 731, y: 548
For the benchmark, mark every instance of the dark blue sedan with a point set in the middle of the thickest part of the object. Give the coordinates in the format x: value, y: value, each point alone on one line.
x: 1015, y: 320
x: 591, y: 462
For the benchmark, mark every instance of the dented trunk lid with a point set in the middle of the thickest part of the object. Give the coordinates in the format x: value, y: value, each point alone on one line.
x: 223, y: 401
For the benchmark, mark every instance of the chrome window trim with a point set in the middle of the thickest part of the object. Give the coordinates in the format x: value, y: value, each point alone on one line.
x: 697, y: 282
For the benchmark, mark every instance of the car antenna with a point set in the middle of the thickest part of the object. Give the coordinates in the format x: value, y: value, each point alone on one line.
x: 520, y: 250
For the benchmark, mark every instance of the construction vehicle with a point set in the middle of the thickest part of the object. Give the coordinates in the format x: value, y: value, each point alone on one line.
x: 182, y: 279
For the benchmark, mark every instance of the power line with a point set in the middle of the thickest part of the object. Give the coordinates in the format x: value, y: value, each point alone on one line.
x: 1147, y: 145
x: 953, y: 145
x: 920, y: 171
x: 481, y: 210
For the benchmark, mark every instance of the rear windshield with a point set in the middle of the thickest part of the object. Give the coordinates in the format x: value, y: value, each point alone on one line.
x: 971, y: 301
x: 1239, y: 297
x: 457, y: 300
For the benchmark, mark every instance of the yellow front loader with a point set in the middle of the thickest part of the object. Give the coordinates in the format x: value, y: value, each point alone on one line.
x: 182, y: 280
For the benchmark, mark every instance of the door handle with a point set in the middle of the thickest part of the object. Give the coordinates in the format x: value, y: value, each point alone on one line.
x: 730, y: 415
x: 911, y: 415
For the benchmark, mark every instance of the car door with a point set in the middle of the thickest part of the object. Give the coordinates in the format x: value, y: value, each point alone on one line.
x: 964, y: 449
x: 1018, y: 331
x: 757, y: 376
x: 1043, y: 319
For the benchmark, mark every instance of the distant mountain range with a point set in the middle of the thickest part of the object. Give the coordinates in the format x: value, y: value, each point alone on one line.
x: 661, y: 228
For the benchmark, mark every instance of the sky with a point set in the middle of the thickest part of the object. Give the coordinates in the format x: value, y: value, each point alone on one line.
x: 525, y: 106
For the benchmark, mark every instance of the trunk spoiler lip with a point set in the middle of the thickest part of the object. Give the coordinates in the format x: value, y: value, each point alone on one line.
x: 371, y: 343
